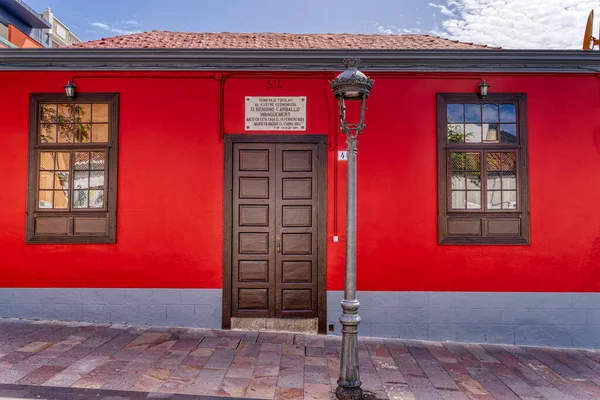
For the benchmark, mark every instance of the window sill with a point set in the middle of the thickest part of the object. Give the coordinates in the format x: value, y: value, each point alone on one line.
x: 489, y: 240
x: 71, y: 240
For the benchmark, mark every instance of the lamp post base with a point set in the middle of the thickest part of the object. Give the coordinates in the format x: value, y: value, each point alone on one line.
x: 353, y: 392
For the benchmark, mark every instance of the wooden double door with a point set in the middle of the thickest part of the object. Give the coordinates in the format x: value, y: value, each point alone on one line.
x: 276, y: 190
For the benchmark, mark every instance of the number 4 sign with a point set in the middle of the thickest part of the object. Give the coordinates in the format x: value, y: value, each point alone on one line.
x: 342, y: 156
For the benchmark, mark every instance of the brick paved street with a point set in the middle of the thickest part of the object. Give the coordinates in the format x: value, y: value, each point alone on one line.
x: 53, y: 360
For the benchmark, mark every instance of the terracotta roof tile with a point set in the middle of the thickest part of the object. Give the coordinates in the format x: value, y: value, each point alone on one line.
x: 227, y: 40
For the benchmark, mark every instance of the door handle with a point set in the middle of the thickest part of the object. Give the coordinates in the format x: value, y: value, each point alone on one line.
x: 278, y: 244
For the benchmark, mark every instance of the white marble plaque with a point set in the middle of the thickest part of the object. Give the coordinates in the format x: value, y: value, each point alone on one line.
x: 268, y: 113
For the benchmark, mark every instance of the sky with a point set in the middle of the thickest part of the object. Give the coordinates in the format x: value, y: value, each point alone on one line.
x: 556, y: 24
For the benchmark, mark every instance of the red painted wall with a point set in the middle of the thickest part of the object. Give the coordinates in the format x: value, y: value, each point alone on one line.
x: 169, y: 216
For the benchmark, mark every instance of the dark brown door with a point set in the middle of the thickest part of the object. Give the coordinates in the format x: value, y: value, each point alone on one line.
x: 274, y: 246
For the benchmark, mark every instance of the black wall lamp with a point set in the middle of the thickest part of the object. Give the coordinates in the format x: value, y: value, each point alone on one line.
x: 70, y: 89
x: 483, y: 89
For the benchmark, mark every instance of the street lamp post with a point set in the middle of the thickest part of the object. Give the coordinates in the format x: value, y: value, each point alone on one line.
x: 350, y: 85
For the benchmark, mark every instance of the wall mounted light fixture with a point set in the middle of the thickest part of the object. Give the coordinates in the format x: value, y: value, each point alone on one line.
x: 483, y: 88
x: 70, y: 89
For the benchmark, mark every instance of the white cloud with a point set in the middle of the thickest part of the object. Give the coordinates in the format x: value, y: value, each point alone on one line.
x: 443, y: 9
x: 389, y: 30
x: 394, y: 30
x: 523, y: 24
x: 121, y: 30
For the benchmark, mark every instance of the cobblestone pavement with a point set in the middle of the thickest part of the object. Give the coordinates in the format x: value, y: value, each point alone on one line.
x: 67, y: 360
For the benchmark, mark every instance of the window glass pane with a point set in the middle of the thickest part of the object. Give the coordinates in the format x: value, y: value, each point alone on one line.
x: 96, y: 198
x: 99, y: 112
x: 472, y: 112
x: 509, y: 199
x: 493, y: 161
x: 494, y: 181
x: 474, y: 181
x: 47, y: 133
x: 80, y: 199
x: 490, y: 132
x: 61, y: 180
x: 66, y: 113
x: 82, y: 133
x: 97, y: 161
x: 458, y: 161
x: 494, y: 199
x: 458, y: 180
x: 97, y: 180
x: 100, y: 133
x: 46, y: 160
x: 508, y: 113
x: 490, y: 113
x: 82, y: 160
x: 473, y: 200
x: 509, y: 161
x: 66, y: 133
x: 509, y: 180
x: 63, y: 161
x: 473, y: 161
x: 508, y: 133
x: 459, y: 200
x: 81, y: 180
x: 456, y: 133
x: 473, y: 133
x: 47, y: 113
x: 83, y: 113
x: 61, y: 199
x: 455, y: 113
x: 45, y: 199
x: 46, y: 180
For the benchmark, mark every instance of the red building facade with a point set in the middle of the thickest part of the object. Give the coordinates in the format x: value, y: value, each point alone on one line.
x: 171, y: 261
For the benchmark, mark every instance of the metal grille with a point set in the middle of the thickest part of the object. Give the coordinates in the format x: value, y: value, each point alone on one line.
x: 501, y: 180
x: 465, y: 180
x: 88, y: 181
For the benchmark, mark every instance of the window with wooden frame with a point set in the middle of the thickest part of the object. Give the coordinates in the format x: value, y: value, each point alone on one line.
x: 483, y: 195
x: 72, y: 187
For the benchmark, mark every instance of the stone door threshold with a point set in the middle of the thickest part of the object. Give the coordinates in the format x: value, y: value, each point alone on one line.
x: 305, y: 325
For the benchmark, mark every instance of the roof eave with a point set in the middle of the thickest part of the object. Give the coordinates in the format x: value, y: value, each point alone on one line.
x: 444, y: 60
x: 25, y: 13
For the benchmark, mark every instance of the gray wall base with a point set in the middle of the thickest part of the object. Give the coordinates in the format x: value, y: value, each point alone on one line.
x: 551, y: 319
x: 544, y: 319
x: 164, y: 307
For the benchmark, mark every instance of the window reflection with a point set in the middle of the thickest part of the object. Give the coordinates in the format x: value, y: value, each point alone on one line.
x: 53, y: 184
x: 73, y: 123
x: 455, y: 113
x: 482, y: 123
x: 508, y: 113
x: 472, y: 112
x: 490, y: 113
x: 501, y: 180
x: 82, y: 172
x: 465, y: 180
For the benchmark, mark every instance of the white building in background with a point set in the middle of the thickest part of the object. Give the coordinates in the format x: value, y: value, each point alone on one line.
x: 59, y: 34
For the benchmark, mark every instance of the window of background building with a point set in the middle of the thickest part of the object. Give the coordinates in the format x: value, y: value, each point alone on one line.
x: 482, y: 169
x: 72, y: 169
x: 3, y: 31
